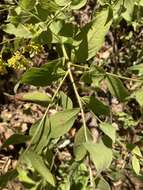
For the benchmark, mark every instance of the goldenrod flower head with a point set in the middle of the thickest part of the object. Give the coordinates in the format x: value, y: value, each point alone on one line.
x: 33, y: 49
x: 17, y: 61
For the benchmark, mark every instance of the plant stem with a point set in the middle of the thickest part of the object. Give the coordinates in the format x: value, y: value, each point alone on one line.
x: 44, y: 116
x: 111, y: 74
x: 123, y: 77
x: 64, y: 52
x: 79, y: 100
x: 80, y: 66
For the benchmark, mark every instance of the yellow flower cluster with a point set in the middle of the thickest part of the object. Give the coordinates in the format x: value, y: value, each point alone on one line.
x: 33, y: 49
x: 17, y: 61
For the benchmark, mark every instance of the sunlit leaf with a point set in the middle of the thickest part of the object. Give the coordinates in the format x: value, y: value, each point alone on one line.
x: 27, y: 4
x: 103, y: 185
x: 61, y: 122
x: 137, y: 151
x: 42, y: 136
x: 109, y: 130
x: 37, y: 97
x: 100, y: 154
x: 129, y: 9
x: 136, y: 164
x: 65, y: 101
x: 21, y: 31
x: 92, y: 36
x: 79, y: 149
x: 138, y: 95
x: 78, y: 4
x: 137, y: 69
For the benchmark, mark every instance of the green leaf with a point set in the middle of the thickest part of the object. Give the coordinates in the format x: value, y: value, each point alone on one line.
x: 138, y: 95
x: 96, y: 106
x: 49, y: 5
x: 92, y: 36
x: 61, y: 122
x: 79, y: 149
x: 141, y: 2
x: 109, y: 130
x: 37, y: 97
x: 137, y: 69
x: 78, y: 4
x: 117, y: 88
x: 100, y: 154
x: 16, y: 139
x: 129, y: 9
x: 4, y: 179
x: 44, y: 75
x: 39, y: 165
x: 103, y: 185
x: 62, y: 2
x: 95, y: 75
x: 27, y: 4
x: 21, y: 31
x: 65, y: 101
x: 136, y: 164
x: 23, y: 176
x: 137, y: 151
x: 41, y: 139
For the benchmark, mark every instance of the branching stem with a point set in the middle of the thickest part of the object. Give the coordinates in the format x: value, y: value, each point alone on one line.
x: 79, y: 100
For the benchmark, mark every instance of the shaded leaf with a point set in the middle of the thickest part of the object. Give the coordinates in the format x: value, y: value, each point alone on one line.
x: 117, y: 88
x: 96, y: 106
x: 16, y: 139
x: 95, y: 75
x: 4, y: 179
x: 44, y: 75
x: 39, y: 165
